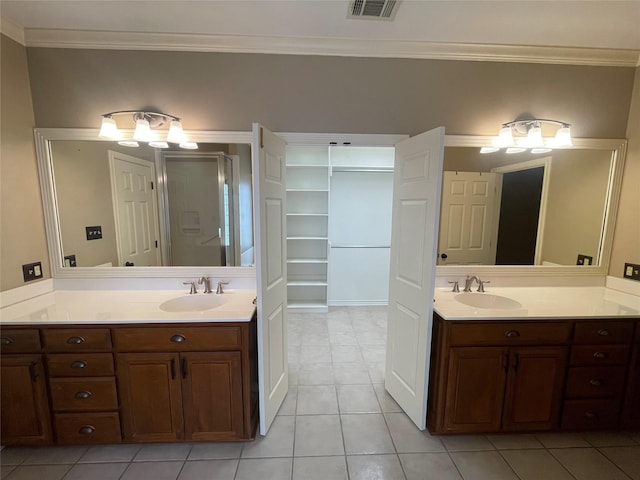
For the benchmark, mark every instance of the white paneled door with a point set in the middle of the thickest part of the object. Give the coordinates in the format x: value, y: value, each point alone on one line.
x: 269, y: 197
x: 470, y: 207
x: 135, y: 210
x: 414, y: 226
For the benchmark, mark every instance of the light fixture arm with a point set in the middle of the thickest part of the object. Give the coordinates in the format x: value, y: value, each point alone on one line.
x: 523, y: 125
x: 155, y: 119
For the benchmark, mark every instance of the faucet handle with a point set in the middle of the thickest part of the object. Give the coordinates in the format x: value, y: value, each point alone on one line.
x: 220, y: 290
x: 481, y: 284
x: 193, y: 287
x: 456, y: 287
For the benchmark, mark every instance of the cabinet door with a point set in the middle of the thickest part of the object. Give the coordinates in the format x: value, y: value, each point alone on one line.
x: 534, y: 388
x: 631, y: 417
x: 212, y: 395
x: 25, y: 411
x: 475, y: 389
x: 150, y: 398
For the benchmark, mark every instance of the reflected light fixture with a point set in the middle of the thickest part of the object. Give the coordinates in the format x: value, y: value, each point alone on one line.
x: 145, y: 124
x: 521, y: 135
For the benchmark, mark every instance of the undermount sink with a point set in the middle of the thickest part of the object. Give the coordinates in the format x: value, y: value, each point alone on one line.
x: 487, y: 300
x: 193, y: 303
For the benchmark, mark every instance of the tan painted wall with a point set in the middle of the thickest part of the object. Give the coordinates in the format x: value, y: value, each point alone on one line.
x: 72, y: 87
x: 22, y: 235
x: 576, y: 200
x: 626, y: 244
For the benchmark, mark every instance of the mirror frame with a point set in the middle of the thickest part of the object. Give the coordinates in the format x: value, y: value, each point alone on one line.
x: 43, y: 137
x: 618, y: 148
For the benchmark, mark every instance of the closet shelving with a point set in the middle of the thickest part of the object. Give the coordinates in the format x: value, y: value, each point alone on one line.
x: 307, y: 227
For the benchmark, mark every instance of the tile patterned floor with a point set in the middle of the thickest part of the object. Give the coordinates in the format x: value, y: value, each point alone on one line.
x: 337, y: 423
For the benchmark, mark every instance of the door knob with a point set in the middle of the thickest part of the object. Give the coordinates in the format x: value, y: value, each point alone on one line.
x: 443, y: 256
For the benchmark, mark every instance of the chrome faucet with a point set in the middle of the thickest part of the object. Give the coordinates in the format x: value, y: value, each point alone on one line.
x: 207, y: 284
x: 468, y: 283
x: 193, y: 287
x: 220, y: 284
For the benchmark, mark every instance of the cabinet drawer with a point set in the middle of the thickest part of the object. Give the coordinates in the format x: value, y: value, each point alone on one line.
x: 76, y: 339
x: 19, y: 341
x: 508, y: 333
x: 590, y: 414
x: 83, y: 394
x: 173, y: 339
x: 603, y: 332
x: 80, y: 365
x: 83, y: 428
x: 599, y: 355
x: 591, y: 382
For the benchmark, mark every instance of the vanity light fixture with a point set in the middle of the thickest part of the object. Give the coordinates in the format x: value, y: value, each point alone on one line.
x: 145, y: 125
x: 521, y: 135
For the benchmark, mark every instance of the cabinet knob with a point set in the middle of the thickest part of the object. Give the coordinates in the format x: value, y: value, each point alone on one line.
x: 83, y: 395
x: 603, y: 332
x: 78, y: 364
x: 178, y: 338
x: 512, y: 334
x: 87, y: 429
x: 595, y: 382
x: 75, y: 340
x: 591, y: 415
x: 600, y: 355
x: 7, y: 340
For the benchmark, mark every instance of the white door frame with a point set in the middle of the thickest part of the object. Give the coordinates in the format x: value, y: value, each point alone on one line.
x: 544, y: 162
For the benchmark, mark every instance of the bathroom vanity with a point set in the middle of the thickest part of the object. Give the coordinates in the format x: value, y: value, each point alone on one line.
x: 145, y: 377
x: 553, y: 363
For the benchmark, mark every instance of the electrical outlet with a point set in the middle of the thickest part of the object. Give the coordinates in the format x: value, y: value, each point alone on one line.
x: 70, y: 261
x: 584, y: 260
x: 94, y: 233
x: 32, y: 271
x: 632, y: 271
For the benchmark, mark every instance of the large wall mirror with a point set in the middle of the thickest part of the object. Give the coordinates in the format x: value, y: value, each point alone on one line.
x: 113, y: 210
x: 567, y: 230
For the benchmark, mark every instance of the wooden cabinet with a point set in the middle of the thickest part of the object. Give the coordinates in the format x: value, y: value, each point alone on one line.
x: 25, y: 409
x: 66, y: 385
x: 187, y: 394
x: 500, y: 376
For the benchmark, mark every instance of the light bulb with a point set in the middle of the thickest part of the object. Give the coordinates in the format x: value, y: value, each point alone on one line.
x: 563, y: 137
x: 176, y: 133
x: 505, y: 137
x: 109, y: 129
x: 142, y: 131
x: 534, y: 136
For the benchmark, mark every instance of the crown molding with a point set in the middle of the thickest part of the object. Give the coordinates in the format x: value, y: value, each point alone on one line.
x: 349, y: 47
x: 12, y: 30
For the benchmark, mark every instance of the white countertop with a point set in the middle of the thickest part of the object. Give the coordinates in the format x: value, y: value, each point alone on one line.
x: 115, y: 306
x: 543, y: 303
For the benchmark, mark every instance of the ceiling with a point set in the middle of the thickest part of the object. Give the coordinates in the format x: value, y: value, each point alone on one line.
x: 516, y: 30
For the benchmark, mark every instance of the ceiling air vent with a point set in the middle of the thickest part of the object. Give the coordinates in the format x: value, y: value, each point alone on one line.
x: 373, y: 9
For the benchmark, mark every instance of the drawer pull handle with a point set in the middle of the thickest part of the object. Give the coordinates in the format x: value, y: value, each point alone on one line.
x: 75, y: 340
x: 87, y: 429
x: 600, y: 355
x: 83, y: 395
x: 178, y: 338
x: 7, y: 340
x: 603, y: 332
x: 512, y: 334
x: 595, y: 382
x: 591, y: 415
x: 78, y: 364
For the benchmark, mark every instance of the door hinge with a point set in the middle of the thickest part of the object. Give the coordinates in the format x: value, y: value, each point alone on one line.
x: 151, y: 185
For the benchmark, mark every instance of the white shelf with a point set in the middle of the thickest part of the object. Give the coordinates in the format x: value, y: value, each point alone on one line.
x: 307, y: 214
x: 311, y: 306
x: 307, y: 283
x: 307, y: 260
x: 302, y: 165
x: 307, y: 189
x: 307, y: 238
